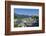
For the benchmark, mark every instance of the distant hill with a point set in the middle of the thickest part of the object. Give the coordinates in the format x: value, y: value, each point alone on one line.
x: 23, y: 16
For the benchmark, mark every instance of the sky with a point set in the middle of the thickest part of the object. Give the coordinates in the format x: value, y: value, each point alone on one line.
x: 25, y: 11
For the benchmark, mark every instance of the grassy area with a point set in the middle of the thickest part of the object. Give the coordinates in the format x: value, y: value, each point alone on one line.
x: 24, y: 24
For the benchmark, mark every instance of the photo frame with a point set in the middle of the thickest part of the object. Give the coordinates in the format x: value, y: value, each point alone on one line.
x: 24, y: 17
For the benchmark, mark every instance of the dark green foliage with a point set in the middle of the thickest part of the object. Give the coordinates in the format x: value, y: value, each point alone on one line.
x: 33, y: 17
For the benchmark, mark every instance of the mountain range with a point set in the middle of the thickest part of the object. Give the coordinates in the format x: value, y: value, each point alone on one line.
x: 24, y: 16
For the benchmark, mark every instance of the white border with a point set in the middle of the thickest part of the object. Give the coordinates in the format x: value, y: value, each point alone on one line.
x: 26, y: 28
